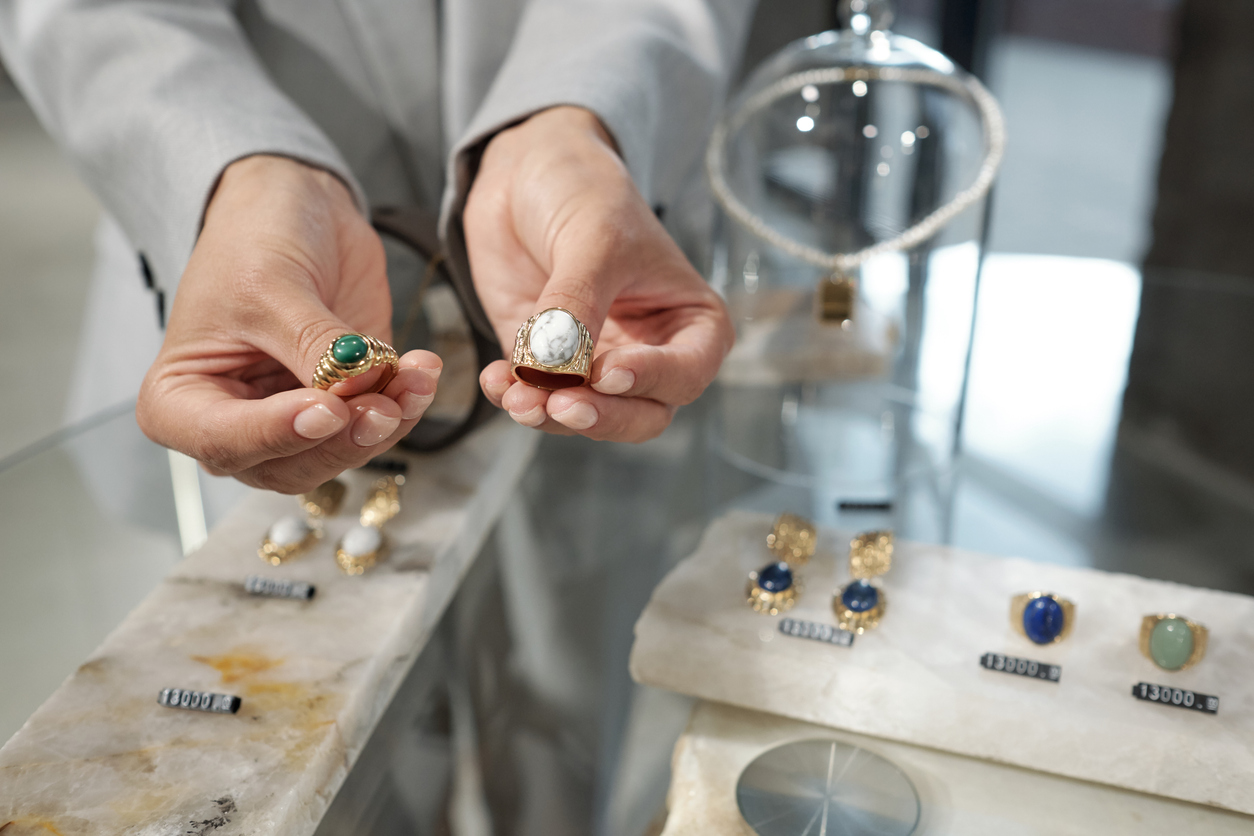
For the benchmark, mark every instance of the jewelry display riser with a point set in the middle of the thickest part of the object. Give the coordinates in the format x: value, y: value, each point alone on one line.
x: 917, y: 678
x: 100, y: 756
x: 958, y: 795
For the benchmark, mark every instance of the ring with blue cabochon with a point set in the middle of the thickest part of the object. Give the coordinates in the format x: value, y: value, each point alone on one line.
x: 1041, y: 617
x: 860, y: 604
x: 553, y: 350
x: 1172, y: 641
x: 352, y: 355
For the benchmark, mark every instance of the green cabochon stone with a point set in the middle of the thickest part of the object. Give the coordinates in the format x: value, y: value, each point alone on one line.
x: 1171, y: 643
x: 349, y: 349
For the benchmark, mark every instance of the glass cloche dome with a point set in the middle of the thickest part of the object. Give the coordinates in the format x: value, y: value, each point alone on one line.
x: 844, y: 392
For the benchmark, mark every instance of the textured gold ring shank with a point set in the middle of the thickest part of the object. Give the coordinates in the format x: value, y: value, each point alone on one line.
x: 331, y: 371
x: 574, y: 372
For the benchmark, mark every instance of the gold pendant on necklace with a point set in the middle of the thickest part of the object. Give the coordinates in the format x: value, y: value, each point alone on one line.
x: 834, y: 303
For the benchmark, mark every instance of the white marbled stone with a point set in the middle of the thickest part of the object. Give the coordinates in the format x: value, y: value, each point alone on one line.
x: 102, y: 757
x: 916, y: 678
x: 361, y: 540
x: 554, y: 338
x: 288, y: 531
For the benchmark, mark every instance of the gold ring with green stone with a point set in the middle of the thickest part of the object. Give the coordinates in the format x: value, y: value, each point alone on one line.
x: 352, y: 355
x: 1172, y: 641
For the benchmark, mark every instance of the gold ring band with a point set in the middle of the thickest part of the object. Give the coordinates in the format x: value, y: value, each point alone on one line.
x: 1172, y: 641
x: 355, y: 354
x: 553, y: 350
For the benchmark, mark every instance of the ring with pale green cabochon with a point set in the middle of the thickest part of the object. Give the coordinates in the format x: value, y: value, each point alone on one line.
x: 352, y: 355
x: 553, y: 350
x: 1172, y: 641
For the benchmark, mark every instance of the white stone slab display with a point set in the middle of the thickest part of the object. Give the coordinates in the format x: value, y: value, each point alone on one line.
x: 917, y: 678
x: 958, y: 795
x: 314, y: 677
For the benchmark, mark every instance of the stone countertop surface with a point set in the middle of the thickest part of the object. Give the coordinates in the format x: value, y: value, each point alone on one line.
x: 101, y: 756
x: 958, y: 795
x: 917, y: 678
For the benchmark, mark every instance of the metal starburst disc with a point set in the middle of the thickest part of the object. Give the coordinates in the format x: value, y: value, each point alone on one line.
x: 826, y: 788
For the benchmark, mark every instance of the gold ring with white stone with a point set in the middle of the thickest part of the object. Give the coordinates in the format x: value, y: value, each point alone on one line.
x: 553, y: 350
x: 352, y: 355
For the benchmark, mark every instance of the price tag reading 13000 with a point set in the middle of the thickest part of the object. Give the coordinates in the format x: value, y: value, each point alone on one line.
x: 1179, y: 697
x: 1021, y: 667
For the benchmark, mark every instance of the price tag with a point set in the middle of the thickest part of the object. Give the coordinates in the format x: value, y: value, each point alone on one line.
x: 1021, y: 667
x: 199, y: 701
x: 274, y: 588
x: 814, y: 630
x: 1179, y: 697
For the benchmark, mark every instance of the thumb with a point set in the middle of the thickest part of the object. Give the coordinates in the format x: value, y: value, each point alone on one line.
x: 304, y: 330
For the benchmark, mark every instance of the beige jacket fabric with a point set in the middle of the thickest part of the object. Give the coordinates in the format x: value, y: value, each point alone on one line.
x: 152, y: 100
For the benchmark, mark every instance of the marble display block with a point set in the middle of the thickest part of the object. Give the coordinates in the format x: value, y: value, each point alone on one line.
x: 917, y: 678
x: 959, y: 795
x: 102, y: 757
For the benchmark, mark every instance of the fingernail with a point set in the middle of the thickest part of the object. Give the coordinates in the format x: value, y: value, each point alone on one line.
x: 616, y: 381
x: 413, y: 404
x: 533, y: 417
x: 373, y: 427
x: 578, y: 416
x: 317, y: 421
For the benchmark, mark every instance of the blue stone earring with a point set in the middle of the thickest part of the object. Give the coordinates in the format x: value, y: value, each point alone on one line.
x: 775, y: 587
x: 860, y: 605
x: 1041, y: 617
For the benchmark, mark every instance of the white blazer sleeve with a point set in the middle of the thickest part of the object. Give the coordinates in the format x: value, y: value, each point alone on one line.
x: 654, y: 71
x: 152, y: 100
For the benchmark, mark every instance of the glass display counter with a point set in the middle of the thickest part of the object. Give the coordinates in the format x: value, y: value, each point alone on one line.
x: 90, y: 528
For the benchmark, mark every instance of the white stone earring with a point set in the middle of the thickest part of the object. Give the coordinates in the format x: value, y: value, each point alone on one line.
x: 364, y: 545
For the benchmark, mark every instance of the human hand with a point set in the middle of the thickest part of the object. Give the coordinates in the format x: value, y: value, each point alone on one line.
x: 553, y: 219
x: 284, y: 265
